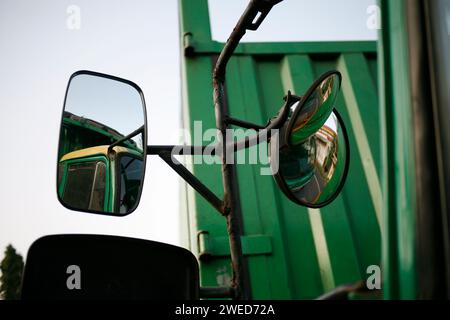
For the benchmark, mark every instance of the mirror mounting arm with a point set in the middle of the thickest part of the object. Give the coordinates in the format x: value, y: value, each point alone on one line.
x: 274, y: 124
x: 194, y: 182
x: 243, y: 124
x: 182, y: 150
x: 251, y: 19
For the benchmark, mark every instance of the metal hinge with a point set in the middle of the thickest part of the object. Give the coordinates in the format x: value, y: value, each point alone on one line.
x: 188, y: 44
x: 210, y: 247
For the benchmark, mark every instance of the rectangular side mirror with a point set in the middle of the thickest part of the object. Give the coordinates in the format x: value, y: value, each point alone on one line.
x: 85, y: 267
x: 102, y: 145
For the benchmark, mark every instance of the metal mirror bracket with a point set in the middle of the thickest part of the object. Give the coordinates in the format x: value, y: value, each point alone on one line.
x: 229, y: 207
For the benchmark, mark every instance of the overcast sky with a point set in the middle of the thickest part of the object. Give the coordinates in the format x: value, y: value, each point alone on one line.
x: 133, y: 39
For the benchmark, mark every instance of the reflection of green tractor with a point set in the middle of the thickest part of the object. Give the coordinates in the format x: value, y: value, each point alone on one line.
x: 94, y: 175
x: 94, y: 180
x: 80, y: 133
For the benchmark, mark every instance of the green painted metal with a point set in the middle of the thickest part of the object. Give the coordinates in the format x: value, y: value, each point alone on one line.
x: 293, y: 252
x: 219, y: 246
x: 399, y: 260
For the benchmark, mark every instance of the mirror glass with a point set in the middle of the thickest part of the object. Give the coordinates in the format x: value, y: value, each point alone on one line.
x: 312, y: 172
x: 314, y: 110
x: 101, y: 156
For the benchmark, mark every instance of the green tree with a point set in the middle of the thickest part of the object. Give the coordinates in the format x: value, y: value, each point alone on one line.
x: 11, y: 268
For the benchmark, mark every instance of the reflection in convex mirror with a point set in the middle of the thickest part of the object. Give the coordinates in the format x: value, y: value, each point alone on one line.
x: 101, y: 158
x: 314, y: 150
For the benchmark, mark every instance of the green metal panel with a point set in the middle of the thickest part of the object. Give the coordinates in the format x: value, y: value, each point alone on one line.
x: 399, y: 260
x: 293, y: 252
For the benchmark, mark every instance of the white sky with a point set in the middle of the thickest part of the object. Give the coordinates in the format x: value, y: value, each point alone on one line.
x: 133, y: 39
x: 109, y: 102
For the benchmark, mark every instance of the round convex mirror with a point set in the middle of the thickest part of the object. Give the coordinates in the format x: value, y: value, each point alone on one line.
x: 313, y: 157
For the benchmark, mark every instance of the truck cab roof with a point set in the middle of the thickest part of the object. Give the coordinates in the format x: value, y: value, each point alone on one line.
x: 98, y: 150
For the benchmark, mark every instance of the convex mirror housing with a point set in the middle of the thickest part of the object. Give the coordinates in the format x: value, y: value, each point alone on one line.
x: 314, y: 148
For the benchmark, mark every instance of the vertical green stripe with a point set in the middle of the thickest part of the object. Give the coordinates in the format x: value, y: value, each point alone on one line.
x: 323, y: 256
x: 398, y: 158
x: 362, y: 141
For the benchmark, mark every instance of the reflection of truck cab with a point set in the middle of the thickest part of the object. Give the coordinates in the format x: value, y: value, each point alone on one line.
x: 94, y: 180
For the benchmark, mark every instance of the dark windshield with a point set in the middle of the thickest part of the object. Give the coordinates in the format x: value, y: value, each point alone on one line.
x: 85, y: 185
x: 131, y: 171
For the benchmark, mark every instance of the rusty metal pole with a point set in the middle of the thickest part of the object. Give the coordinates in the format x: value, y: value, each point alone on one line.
x: 231, y: 196
x: 252, y: 17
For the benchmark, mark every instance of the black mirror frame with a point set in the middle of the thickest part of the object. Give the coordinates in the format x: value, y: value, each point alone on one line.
x: 282, y: 183
x: 144, y: 142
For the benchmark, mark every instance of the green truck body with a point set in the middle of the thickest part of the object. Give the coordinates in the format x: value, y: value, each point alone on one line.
x: 292, y: 252
x: 386, y: 215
